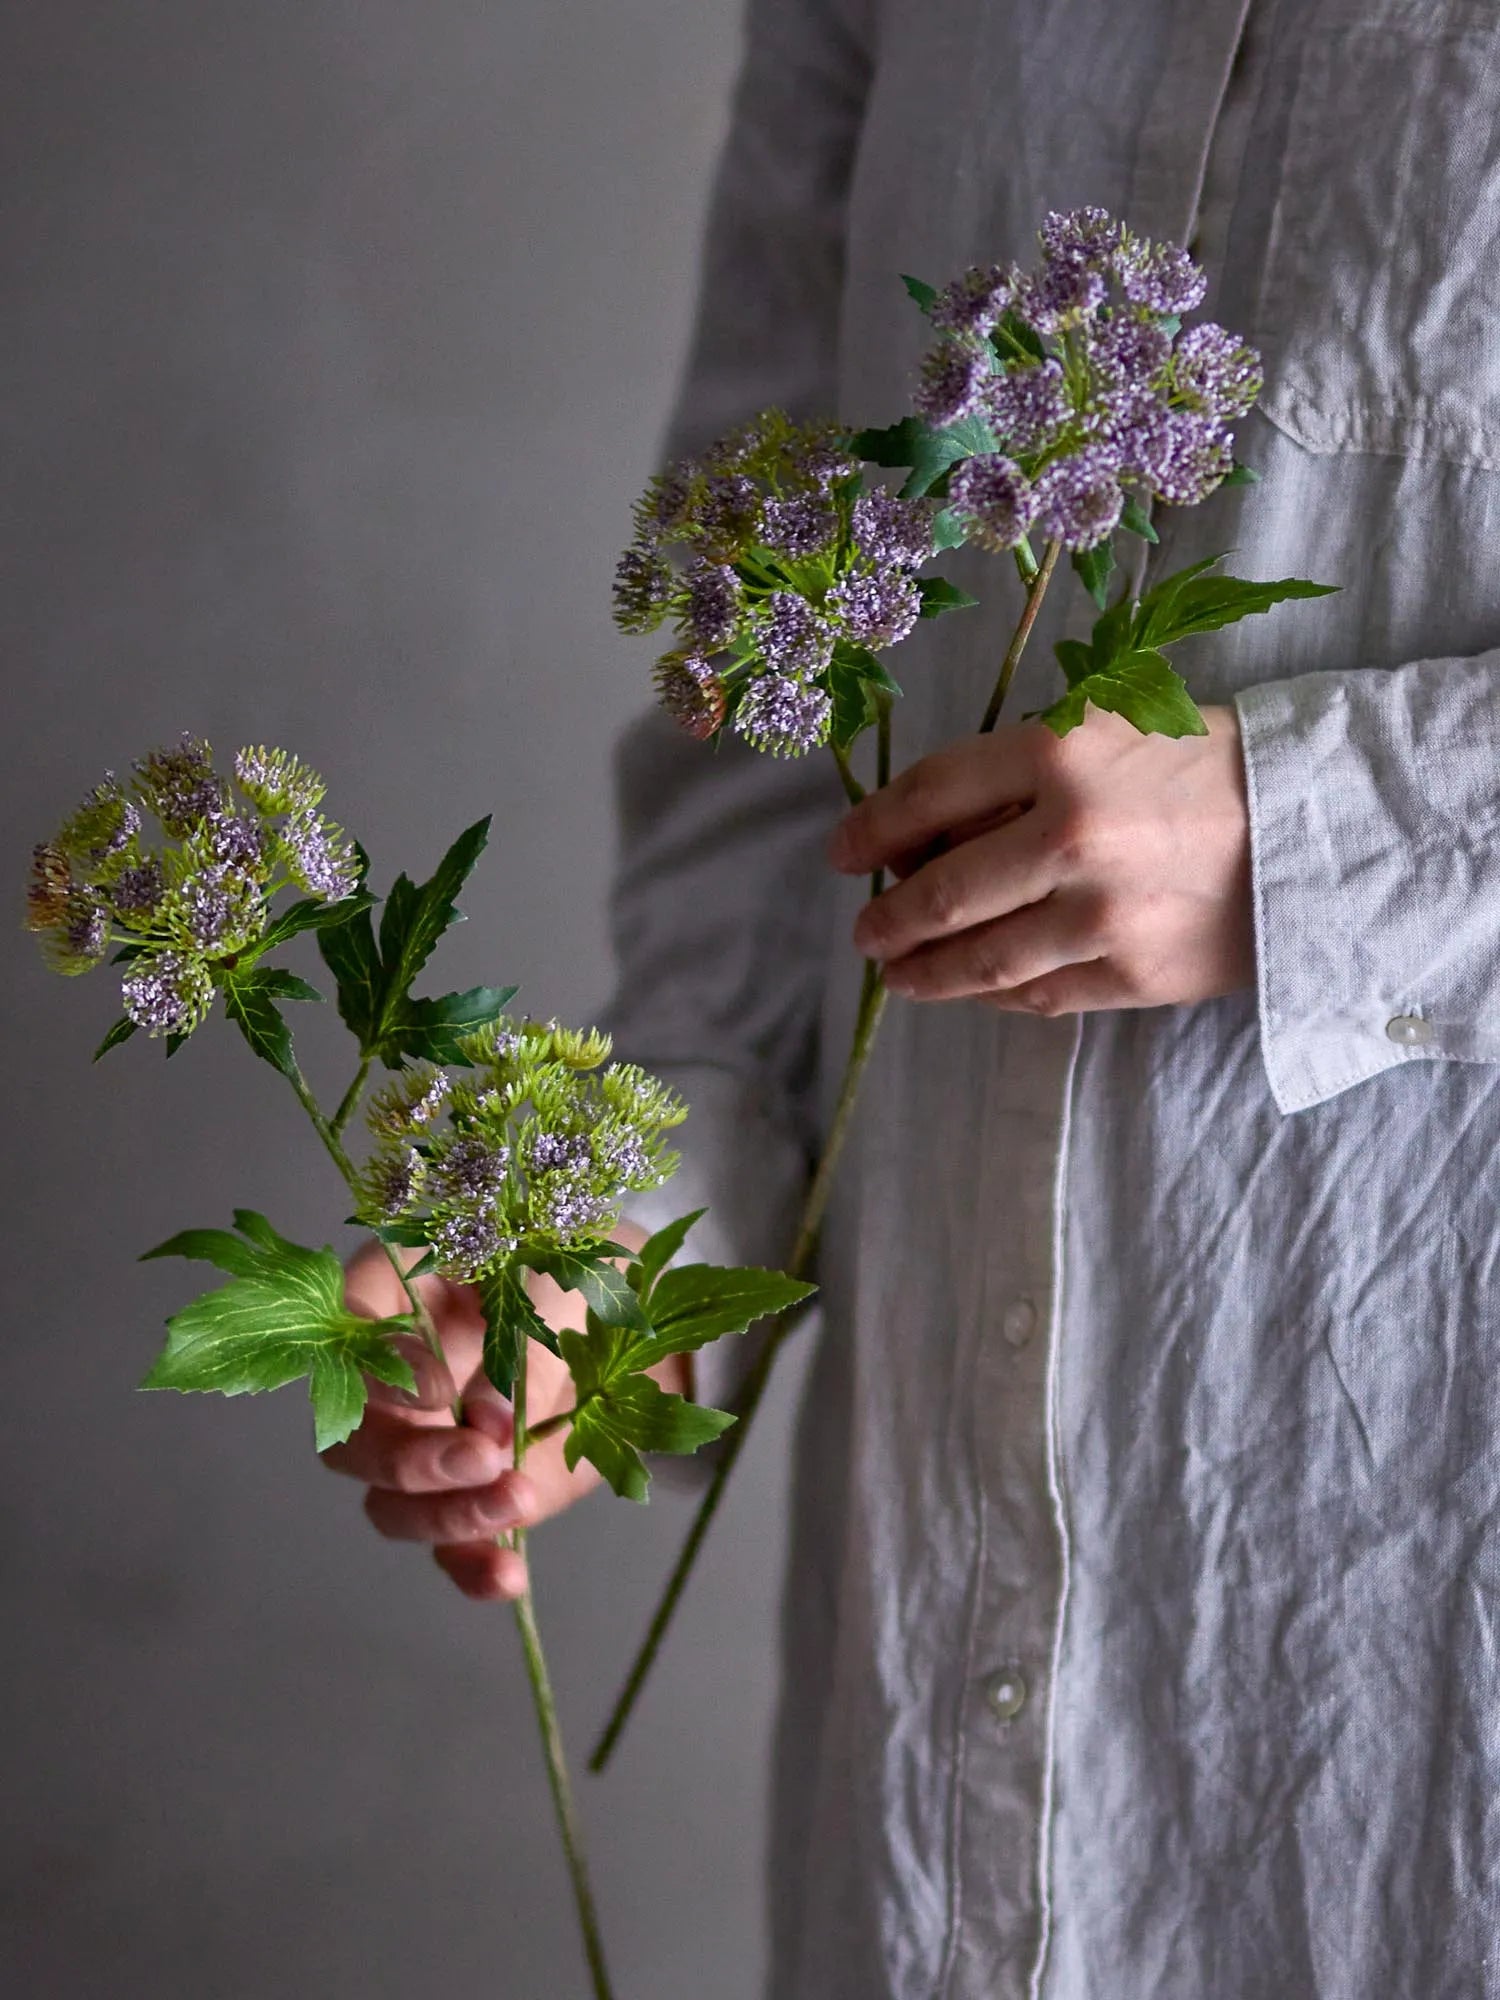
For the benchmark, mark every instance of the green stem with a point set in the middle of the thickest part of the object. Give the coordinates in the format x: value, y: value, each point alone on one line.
x: 1034, y: 595
x: 872, y: 1002
x: 545, y: 1703
x: 349, y: 1102
x: 852, y: 787
x: 867, y: 1025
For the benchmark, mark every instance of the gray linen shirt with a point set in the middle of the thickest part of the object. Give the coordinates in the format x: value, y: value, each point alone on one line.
x: 1141, y: 1636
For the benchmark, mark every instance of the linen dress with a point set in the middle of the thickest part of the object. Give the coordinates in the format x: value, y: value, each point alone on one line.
x: 1141, y: 1634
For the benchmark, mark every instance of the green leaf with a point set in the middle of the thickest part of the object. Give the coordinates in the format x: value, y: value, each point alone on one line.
x: 435, y: 1028
x: 1075, y: 658
x: 409, y: 1235
x: 924, y: 294
x: 348, y: 950
x: 928, y: 452
x: 1095, y: 567
x: 1064, y: 715
x: 939, y: 595
x: 509, y: 1320
x: 307, y: 916
x: 282, y: 1316
x: 614, y: 1426
x: 603, y: 1284
x: 278, y: 984
x: 693, y: 1304
x: 1136, y: 521
x: 1144, y: 688
x: 1208, y: 603
x: 658, y: 1251
x: 1155, y: 606
x: 1242, y: 475
x: 123, y: 1029
x: 417, y: 914
x: 249, y: 1004
x: 1013, y: 334
x: 853, y: 703
x: 950, y: 529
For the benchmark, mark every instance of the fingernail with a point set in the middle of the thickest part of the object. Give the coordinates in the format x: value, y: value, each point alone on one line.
x: 467, y: 1461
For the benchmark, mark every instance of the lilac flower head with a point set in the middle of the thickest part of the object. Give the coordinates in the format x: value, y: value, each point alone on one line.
x: 102, y: 827
x: 994, y: 492
x: 791, y: 636
x: 954, y: 375
x: 206, y: 909
x: 798, y: 527
x: 893, y: 534
x: 77, y: 943
x: 691, y: 693
x: 824, y: 463
x: 276, y: 781
x: 390, y: 1182
x: 470, y: 1169
x: 784, y: 716
x: 669, y: 496
x: 167, y: 992
x: 642, y: 589
x: 318, y: 858
x: 408, y: 1104
x: 138, y: 891
x: 1126, y: 352
x: 1160, y: 277
x: 1028, y: 407
x: 1079, y: 499
x: 1080, y: 236
x: 1060, y: 295
x: 236, y: 842
x: 715, y: 603
x: 878, y: 609
x: 547, y: 1151
x: 975, y: 303
x: 1189, y: 455
x: 1216, y: 373
x: 730, y: 509
x: 464, y: 1246
x: 180, y: 786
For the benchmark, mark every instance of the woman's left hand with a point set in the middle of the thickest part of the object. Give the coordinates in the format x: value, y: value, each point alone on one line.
x: 1061, y: 875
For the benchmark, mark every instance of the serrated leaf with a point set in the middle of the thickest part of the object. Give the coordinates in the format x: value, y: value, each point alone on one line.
x: 309, y: 915
x: 417, y: 914
x: 435, y: 1028
x: 602, y: 1283
x: 917, y: 288
x: 1242, y: 475
x: 1012, y: 333
x: 1094, y: 568
x: 928, y: 452
x: 658, y: 1251
x: 1136, y: 521
x: 122, y: 1030
x: 1147, y: 692
x: 632, y: 1416
x: 1064, y: 715
x: 693, y: 1304
x: 853, y: 704
x: 249, y: 1004
x: 279, y: 984
x: 348, y: 950
x: 509, y: 1320
x: 939, y: 595
x: 282, y: 1316
x: 405, y: 1235
x: 1209, y: 603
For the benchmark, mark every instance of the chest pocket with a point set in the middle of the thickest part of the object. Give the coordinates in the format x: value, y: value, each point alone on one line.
x: 1379, y: 313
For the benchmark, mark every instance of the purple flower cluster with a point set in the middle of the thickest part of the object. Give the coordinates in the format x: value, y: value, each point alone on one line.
x: 768, y: 557
x: 1088, y: 388
x: 186, y: 909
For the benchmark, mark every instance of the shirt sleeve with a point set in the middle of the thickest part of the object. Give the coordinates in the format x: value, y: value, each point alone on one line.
x: 721, y: 905
x: 1374, y: 802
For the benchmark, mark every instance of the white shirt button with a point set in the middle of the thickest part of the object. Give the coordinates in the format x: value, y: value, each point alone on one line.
x: 1018, y: 1323
x: 1005, y: 1691
x: 1410, y: 1030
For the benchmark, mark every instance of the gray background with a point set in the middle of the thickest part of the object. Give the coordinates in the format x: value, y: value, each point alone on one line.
x: 335, y: 338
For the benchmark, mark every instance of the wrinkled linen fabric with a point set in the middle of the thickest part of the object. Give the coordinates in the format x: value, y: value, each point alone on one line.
x: 1140, y: 1641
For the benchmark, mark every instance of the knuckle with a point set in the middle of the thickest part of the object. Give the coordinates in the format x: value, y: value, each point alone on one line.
x: 991, y: 966
x: 941, y: 901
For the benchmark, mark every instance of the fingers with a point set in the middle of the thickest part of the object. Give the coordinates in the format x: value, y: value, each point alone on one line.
x: 985, y: 878
x: 995, y: 959
x: 390, y: 1452
x: 483, y: 1570
x: 1074, y: 989
x: 969, y: 781
x: 475, y: 1514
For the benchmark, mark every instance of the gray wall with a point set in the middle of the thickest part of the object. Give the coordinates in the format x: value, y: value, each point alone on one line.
x: 335, y: 337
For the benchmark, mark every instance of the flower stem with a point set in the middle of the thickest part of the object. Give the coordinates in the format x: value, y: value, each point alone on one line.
x: 852, y: 787
x: 349, y: 1102
x: 873, y: 999
x: 1036, y: 591
x: 568, y: 1824
x: 872, y: 1002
